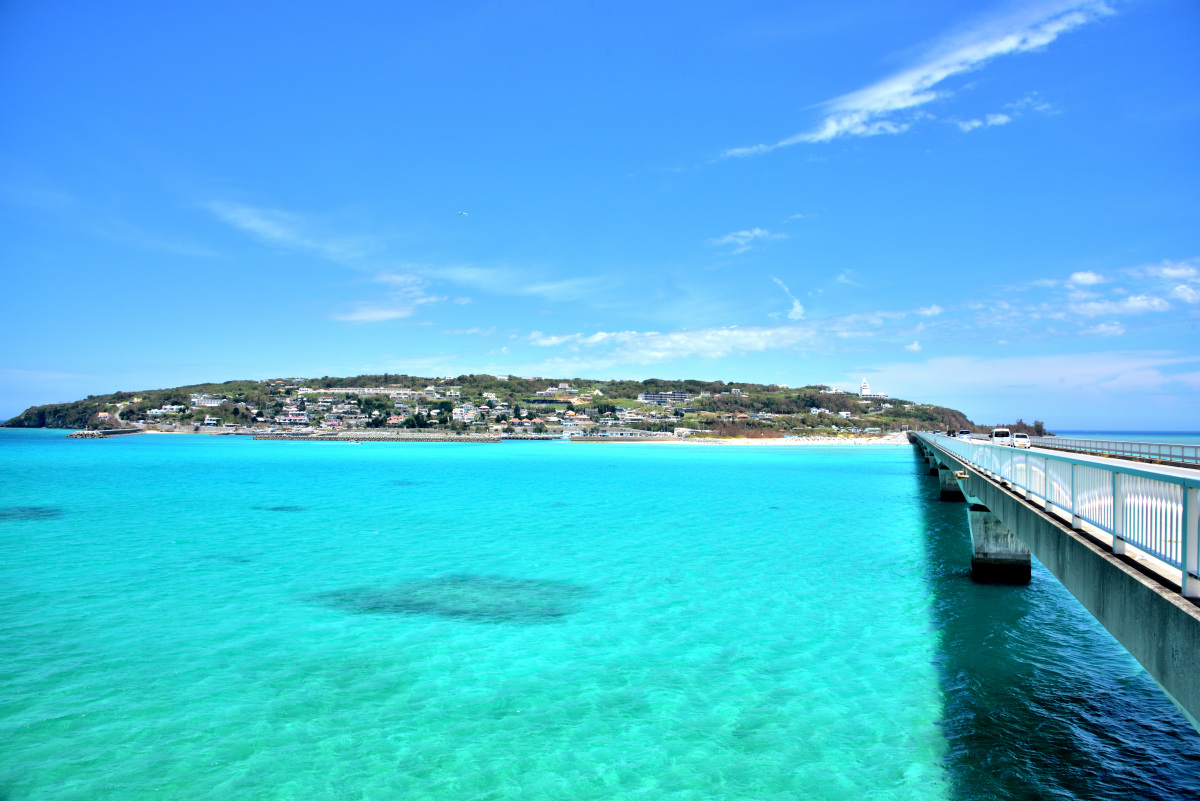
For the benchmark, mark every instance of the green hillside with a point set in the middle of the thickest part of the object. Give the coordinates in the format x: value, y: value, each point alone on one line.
x: 727, y: 408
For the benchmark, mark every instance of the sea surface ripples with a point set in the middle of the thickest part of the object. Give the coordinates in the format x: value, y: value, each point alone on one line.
x: 214, y: 618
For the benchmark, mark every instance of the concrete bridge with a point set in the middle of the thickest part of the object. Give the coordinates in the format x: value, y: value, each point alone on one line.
x: 1121, y: 536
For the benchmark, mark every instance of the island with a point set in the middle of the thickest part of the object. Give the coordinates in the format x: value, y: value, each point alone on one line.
x: 501, y: 406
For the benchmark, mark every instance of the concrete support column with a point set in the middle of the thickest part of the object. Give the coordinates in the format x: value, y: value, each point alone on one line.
x: 950, y: 488
x: 999, y: 558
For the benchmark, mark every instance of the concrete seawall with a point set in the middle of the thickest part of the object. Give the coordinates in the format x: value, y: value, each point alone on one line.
x: 367, y: 437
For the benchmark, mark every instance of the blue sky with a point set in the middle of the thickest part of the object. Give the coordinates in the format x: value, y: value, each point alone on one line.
x: 989, y: 206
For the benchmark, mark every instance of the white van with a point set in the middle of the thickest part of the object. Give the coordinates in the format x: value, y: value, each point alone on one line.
x: 1001, y: 436
x: 1021, y: 440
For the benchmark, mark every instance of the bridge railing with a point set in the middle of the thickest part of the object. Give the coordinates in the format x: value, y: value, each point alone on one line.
x: 1160, y: 451
x: 1152, y: 510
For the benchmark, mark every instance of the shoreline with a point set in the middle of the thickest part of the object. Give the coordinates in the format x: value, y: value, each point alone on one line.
x: 779, y: 442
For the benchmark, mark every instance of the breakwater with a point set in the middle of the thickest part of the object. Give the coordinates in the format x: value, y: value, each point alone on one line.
x: 102, y: 434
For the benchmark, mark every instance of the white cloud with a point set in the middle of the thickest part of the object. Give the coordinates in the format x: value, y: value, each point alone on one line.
x: 507, y: 281
x: 987, y: 122
x: 645, y: 347
x: 1064, y: 389
x: 872, y: 110
x: 1086, y: 278
x: 915, y: 347
x: 284, y: 229
x: 930, y: 311
x: 538, y: 338
x: 1173, y: 270
x: 1134, y: 304
x: 1113, y: 329
x: 1186, y: 293
x: 744, y: 239
x: 797, y: 310
x: 406, y: 293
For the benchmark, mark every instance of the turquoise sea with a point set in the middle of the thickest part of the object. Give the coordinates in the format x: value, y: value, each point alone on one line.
x: 193, y: 617
x: 1165, y: 437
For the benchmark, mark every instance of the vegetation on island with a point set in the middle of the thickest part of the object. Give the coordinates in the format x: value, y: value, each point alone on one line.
x: 475, y: 402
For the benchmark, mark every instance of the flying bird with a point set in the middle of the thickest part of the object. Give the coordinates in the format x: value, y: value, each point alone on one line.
x: 463, y: 213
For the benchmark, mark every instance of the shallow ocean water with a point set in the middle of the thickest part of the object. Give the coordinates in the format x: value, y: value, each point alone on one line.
x: 215, y: 618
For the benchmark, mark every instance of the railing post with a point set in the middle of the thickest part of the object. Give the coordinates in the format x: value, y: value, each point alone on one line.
x: 1190, y: 547
x: 1046, y: 504
x: 1076, y: 522
x: 1118, y: 545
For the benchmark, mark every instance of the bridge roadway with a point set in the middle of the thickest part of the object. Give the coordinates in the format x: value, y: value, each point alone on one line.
x: 1121, y: 536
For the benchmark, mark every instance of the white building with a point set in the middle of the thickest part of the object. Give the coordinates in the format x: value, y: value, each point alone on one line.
x: 207, y: 400
x: 865, y: 392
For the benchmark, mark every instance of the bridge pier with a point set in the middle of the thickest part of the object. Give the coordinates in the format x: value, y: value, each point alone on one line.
x: 950, y: 489
x: 999, y: 557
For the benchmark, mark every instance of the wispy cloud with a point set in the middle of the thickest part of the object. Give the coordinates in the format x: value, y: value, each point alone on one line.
x: 1133, y: 304
x: 1113, y: 329
x: 403, y: 296
x: 646, y: 347
x: 1187, y: 294
x: 1064, y: 389
x: 797, y: 310
x: 914, y: 347
x: 514, y: 282
x: 285, y: 229
x: 1173, y: 270
x: 988, y: 121
x: 930, y: 311
x: 743, y: 240
x: 890, y: 106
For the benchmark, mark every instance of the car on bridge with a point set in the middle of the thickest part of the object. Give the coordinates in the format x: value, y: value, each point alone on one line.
x: 964, y: 434
x: 1021, y: 440
x: 1001, y: 436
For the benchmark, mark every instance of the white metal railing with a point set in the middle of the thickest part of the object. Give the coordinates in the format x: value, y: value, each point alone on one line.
x: 1161, y: 451
x: 1151, y: 509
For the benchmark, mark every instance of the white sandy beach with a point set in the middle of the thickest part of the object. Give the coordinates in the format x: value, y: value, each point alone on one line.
x: 890, y: 439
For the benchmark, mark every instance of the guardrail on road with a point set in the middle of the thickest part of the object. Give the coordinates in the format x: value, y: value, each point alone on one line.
x: 1153, y: 509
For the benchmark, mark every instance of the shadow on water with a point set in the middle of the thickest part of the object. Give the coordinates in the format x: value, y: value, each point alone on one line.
x: 403, y: 482
x: 280, y: 508
x: 1039, y: 702
x: 29, y: 512
x: 479, y: 598
x: 229, y: 559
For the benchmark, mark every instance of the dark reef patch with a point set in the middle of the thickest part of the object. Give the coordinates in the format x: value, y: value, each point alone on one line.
x: 281, y: 508
x: 29, y: 512
x: 487, y: 599
x: 403, y: 483
x: 229, y: 559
